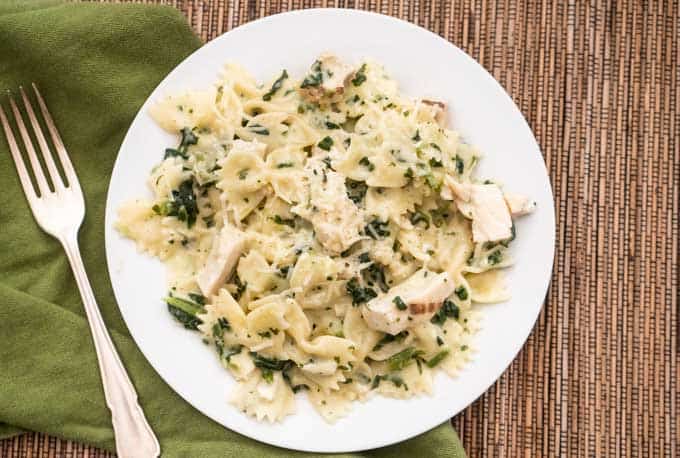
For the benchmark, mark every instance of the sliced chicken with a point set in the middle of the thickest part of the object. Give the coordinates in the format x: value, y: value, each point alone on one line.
x: 223, y: 256
x: 328, y: 77
x: 415, y: 300
x: 485, y: 205
x: 337, y: 221
x: 518, y: 204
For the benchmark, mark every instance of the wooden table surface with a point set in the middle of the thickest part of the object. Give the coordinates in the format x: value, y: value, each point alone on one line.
x: 598, y: 83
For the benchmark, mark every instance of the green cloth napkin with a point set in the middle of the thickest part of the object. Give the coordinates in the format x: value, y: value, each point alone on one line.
x: 95, y: 65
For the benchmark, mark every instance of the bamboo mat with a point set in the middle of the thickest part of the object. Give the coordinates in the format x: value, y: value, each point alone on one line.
x: 598, y: 83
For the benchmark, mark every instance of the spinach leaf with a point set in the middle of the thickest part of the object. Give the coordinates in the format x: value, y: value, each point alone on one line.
x: 275, y: 87
x: 185, y: 311
x: 359, y: 76
x: 358, y: 293
x: 356, y: 190
x: 182, y: 205
x: 377, y: 229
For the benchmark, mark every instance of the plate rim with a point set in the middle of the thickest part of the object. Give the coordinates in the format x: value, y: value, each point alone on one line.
x: 543, y: 283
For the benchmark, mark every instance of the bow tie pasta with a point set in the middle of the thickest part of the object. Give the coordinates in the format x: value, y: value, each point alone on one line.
x: 325, y: 235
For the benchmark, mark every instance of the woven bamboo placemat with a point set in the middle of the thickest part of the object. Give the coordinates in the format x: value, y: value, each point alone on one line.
x: 598, y: 82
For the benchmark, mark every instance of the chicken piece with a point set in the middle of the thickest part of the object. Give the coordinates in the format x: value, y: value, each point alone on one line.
x: 518, y: 204
x: 438, y: 110
x: 485, y: 205
x: 327, y: 78
x: 223, y: 256
x: 337, y: 221
x: 415, y: 300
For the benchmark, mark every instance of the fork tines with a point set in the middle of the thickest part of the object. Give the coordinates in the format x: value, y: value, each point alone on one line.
x: 58, y: 185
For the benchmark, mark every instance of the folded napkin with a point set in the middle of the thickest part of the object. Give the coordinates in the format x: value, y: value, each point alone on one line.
x: 96, y: 64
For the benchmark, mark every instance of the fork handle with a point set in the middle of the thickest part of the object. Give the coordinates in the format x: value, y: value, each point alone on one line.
x: 133, y: 435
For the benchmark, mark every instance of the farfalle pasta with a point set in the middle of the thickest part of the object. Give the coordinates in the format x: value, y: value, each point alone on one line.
x: 326, y: 235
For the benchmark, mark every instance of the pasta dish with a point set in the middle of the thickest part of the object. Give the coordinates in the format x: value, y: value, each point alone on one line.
x: 324, y: 235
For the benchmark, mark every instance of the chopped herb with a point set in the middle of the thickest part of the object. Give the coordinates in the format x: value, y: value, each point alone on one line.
x: 416, y: 137
x: 331, y: 125
x: 448, y: 310
x: 364, y: 257
x: 218, y: 329
x: 419, y: 217
x: 327, y: 161
x: 389, y: 338
x: 462, y: 293
x: 258, y: 129
x: 401, y: 305
x: 240, y: 287
x: 223, y: 324
x: 315, y: 78
x: 283, y: 221
x: 439, y: 215
x: 188, y: 138
x: 231, y: 351
x: 243, y: 174
x: 435, y: 146
x: 267, y: 375
x: 398, y: 381
x: 271, y: 364
x: 275, y: 87
x: 283, y: 165
x: 359, y: 76
x: 394, y: 378
x: 435, y: 163
x: 438, y: 358
x: 366, y: 163
x: 283, y: 271
x: 200, y: 299
x: 460, y: 165
x: 171, y: 152
x: 408, y: 173
x: 400, y: 360
x: 432, y: 182
x: 396, y: 245
x: 359, y: 295
x: 300, y: 387
x: 440, y: 341
x: 209, y: 220
x: 185, y: 311
x: 183, y: 204
x: 377, y: 229
x: 495, y: 257
x: 374, y: 274
x: 347, y: 252
x: 265, y: 334
x: 356, y: 190
x: 325, y: 144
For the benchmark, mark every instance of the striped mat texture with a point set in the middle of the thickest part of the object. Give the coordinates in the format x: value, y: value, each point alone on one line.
x: 598, y: 82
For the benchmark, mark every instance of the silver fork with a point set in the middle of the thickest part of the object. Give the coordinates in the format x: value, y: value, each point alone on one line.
x: 59, y: 212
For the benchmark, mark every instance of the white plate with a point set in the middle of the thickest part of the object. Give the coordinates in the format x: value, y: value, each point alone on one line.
x: 425, y: 65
